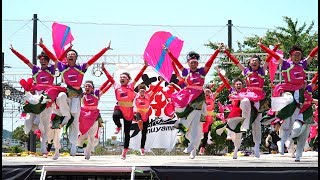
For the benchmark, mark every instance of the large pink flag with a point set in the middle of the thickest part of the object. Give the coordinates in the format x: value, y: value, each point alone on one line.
x: 273, y: 65
x: 157, y: 57
x: 61, y: 36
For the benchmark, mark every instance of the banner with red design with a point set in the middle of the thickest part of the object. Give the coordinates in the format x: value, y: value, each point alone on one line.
x: 161, y: 132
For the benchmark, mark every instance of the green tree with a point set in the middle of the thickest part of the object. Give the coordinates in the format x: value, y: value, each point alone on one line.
x: 290, y: 35
x: 19, y: 134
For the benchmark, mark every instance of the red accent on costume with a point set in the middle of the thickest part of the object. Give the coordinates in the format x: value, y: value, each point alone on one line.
x: 175, y: 61
x: 64, y: 54
x: 97, y: 56
x: 220, y: 88
x: 108, y: 75
x: 314, y: 52
x: 269, y: 51
x: 140, y: 73
x: 274, y: 49
x: 233, y: 59
x: 314, y: 79
x: 224, y: 80
x: 20, y: 56
x: 106, y: 88
x: 104, y: 85
x: 212, y: 58
x: 49, y: 54
x: 125, y: 96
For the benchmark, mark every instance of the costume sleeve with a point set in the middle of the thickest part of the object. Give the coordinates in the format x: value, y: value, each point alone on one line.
x: 97, y: 56
x: 106, y: 88
x: 110, y: 78
x: 154, y: 90
x: 210, y: 61
x: 314, y: 52
x: 20, y: 56
x: 64, y: 54
x: 104, y: 85
x: 232, y: 58
x: 269, y: 57
x: 314, y: 79
x: 269, y: 51
x: 175, y: 60
x: 220, y: 88
x: 224, y: 80
x: 140, y: 73
x: 48, y: 52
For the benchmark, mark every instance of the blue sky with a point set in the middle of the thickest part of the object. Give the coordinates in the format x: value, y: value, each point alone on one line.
x: 89, y: 38
x: 130, y: 24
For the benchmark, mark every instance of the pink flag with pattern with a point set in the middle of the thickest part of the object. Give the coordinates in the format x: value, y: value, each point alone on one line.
x: 157, y: 57
x: 61, y: 36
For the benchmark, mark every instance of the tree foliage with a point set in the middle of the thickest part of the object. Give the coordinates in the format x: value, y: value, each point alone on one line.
x: 290, y: 35
x: 19, y: 134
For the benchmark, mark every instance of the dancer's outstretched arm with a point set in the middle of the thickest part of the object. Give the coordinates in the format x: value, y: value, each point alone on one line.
x: 98, y: 55
x: 21, y: 57
x: 110, y: 78
x: 136, y: 79
x: 234, y: 59
x: 174, y: 59
x: 209, y: 63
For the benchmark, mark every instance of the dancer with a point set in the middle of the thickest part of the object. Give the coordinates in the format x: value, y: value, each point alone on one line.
x: 234, y: 119
x: 301, y: 129
x: 125, y: 95
x: 72, y: 75
x: 189, y: 102
x: 90, y: 115
x: 43, y: 77
x: 288, y: 96
x: 251, y: 101
x: 210, y: 100
x: 141, y: 108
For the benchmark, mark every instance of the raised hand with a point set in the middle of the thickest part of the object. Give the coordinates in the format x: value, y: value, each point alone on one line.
x: 109, y: 46
x: 11, y: 47
x: 220, y: 46
x: 259, y: 41
x: 102, y: 65
x: 165, y: 47
x: 146, y: 63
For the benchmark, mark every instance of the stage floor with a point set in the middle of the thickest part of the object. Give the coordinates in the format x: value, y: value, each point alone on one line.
x: 309, y: 159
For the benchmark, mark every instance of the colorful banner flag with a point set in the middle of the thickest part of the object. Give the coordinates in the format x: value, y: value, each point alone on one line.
x: 61, y: 36
x: 157, y: 57
x: 273, y: 65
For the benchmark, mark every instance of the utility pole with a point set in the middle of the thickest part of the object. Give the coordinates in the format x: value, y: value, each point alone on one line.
x: 34, y: 61
x: 229, y: 34
x: 2, y: 108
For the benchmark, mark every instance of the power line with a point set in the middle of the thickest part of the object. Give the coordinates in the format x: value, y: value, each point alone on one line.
x: 121, y: 24
x: 20, y: 29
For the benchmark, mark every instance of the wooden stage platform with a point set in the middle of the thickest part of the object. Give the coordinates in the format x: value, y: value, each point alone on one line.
x: 171, y: 167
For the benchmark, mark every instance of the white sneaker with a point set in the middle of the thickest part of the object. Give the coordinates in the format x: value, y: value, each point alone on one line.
x: 56, y: 156
x: 43, y: 148
x: 193, y: 154
x: 243, y: 130
x: 297, y: 159
x: 176, y: 124
x: 257, y: 150
x: 185, y: 151
x: 73, y: 150
x: 235, y: 155
x: 87, y: 154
